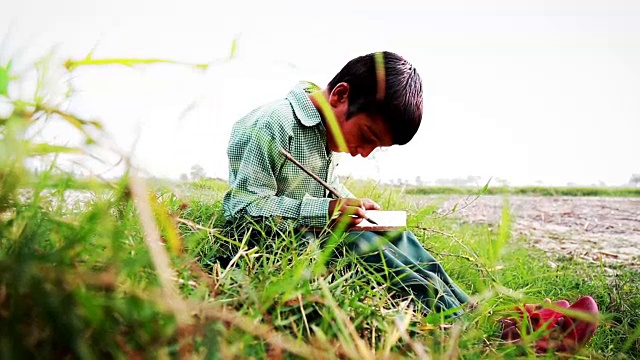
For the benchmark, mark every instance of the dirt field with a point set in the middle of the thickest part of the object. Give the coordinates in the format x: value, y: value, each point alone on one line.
x: 591, y: 228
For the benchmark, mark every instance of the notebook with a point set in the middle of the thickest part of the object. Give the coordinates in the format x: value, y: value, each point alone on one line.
x: 388, y: 220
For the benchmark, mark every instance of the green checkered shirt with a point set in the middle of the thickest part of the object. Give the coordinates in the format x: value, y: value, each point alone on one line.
x: 262, y: 182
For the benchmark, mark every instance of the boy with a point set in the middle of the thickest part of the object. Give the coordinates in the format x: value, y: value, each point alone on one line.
x: 374, y: 101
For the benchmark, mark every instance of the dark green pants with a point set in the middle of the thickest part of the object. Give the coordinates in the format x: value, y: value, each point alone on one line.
x: 409, y: 268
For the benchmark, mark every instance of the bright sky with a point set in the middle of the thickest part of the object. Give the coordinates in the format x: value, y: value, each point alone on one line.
x: 521, y: 90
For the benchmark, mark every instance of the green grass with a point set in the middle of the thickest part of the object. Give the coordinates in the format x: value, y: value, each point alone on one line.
x: 84, y: 283
x: 498, y: 270
x: 525, y: 190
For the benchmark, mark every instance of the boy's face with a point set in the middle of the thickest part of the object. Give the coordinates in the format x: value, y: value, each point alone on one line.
x: 362, y: 133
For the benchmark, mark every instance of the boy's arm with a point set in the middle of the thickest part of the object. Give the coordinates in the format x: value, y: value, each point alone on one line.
x: 254, y: 159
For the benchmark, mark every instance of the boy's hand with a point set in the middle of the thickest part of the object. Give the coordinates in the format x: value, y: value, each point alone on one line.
x: 349, y: 211
x: 370, y: 204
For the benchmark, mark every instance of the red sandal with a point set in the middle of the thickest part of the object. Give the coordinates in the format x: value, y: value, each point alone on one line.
x: 564, y: 331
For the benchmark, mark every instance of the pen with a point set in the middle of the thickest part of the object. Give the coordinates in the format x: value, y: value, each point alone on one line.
x: 318, y: 179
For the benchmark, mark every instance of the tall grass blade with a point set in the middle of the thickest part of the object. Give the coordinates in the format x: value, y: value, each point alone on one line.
x: 158, y: 253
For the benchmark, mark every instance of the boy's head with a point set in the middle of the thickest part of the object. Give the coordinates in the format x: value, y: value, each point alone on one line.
x: 381, y: 86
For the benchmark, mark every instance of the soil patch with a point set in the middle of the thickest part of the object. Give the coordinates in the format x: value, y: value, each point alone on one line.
x: 599, y: 229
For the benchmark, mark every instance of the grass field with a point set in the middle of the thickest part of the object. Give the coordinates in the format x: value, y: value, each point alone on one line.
x: 87, y: 283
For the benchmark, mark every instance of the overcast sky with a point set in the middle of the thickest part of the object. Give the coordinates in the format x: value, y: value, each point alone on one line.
x: 527, y: 91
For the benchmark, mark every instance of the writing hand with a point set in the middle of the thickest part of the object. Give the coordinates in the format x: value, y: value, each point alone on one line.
x: 350, y: 211
x: 370, y: 204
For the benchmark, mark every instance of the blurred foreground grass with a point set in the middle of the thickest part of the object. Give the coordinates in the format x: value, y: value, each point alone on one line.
x: 126, y: 269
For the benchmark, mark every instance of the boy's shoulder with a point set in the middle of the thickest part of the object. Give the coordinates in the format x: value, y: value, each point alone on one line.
x: 277, y: 114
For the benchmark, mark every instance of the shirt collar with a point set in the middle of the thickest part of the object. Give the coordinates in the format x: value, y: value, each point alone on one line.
x: 302, y: 105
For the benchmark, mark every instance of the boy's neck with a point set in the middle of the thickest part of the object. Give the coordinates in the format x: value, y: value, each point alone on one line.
x: 320, y: 100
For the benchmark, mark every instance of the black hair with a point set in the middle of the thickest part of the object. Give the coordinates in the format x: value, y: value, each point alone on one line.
x: 387, y: 85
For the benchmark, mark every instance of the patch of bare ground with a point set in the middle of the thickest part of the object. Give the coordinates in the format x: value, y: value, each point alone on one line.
x: 597, y: 229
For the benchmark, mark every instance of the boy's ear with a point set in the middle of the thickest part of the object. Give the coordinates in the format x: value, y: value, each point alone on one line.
x: 339, y: 94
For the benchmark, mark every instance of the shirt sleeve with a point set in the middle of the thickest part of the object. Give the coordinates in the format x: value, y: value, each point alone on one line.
x: 341, y: 188
x: 254, y: 160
